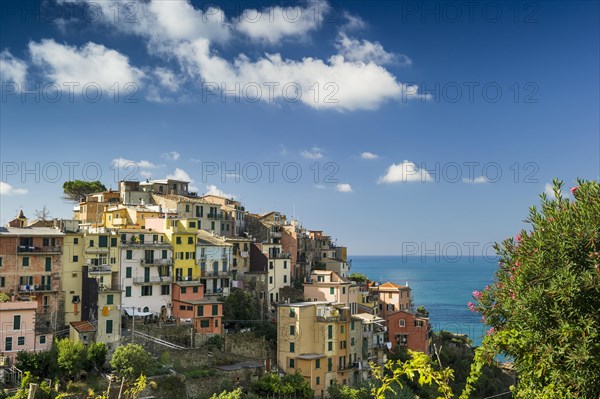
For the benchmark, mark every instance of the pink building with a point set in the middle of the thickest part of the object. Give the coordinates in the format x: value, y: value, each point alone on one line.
x: 392, y: 298
x: 17, y: 330
x: 328, y: 286
x: 189, y: 303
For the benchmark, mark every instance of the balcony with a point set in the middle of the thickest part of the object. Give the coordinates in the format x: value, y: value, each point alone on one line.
x: 244, y: 254
x: 36, y: 288
x: 97, y: 250
x: 217, y: 216
x: 156, y: 262
x: 218, y: 291
x: 21, y: 249
x: 100, y: 270
x: 153, y: 280
x: 212, y: 273
x: 126, y: 244
x: 276, y: 234
x: 281, y: 255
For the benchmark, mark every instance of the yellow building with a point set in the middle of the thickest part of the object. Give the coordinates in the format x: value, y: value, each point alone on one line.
x: 181, y: 233
x: 72, y: 273
x: 315, y: 339
x: 127, y: 216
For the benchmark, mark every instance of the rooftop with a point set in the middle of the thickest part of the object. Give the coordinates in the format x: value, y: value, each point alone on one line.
x: 207, y: 238
x: 30, y: 231
x: 83, y: 326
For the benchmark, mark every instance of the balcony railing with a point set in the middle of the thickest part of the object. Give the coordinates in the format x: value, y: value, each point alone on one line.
x: 281, y: 255
x: 98, y: 270
x: 127, y: 244
x: 244, y: 254
x: 276, y: 234
x: 156, y: 262
x: 39, y: 250
x: 212, y: 273
x: 184, y: 279
x: 35, y: 288
x: 331, y: 319
x: 96, y: 250
x: 218, y: 216
x: 153, y: 280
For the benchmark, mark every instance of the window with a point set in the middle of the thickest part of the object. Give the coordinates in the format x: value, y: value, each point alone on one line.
x: 352, y: 325
x: 285, y: 264
x: 329, y: 331
x: 190, y: 240
x: 181, y: 307
x: 418, y: 323
x: 113, y: 241
x: 402, y: 323
x: 42, y: 339
x: 318, y: 381
x: 332, y: 290
x: 75, y: 241
x: 0, y: 261
x: 165, y: 290
x: 292, y: 312
x: 8, y: 344
x: 164, y: 254
x: 195, y: 290
x: 91, y: 243
x: 292, y: 330
x: 270, y: 279
x: 285, y: 279
x: 200, y: 311
x: 128, y: 272
x: 129, y: 254
x: 216, y: 323
x: 341, y: 329
x: 103, y: 241
x: 343, y: 290
x: 352, y: 341
x: 204, y: 324
x: 178, y: 240
x: 17, y: 322
x: 271, y: 265
x: 48, y: 264
x: 215, y: 310
x: 342, y: 344
x: 75, y: 258
x: 109, y: 299
x: 20, y: 341
x: 109, y: 326
x: 25, y: 260
x: 193, y: 225
x: 2, y: 282
x: 318, y: 363
x: 292, y: 364
x: 147, y: 290
x: 292, y: 347
x: 329, y: 346
x: 183, y: 290
x: 128, y: 292
x: 329, y: 364
x: 187, y: 207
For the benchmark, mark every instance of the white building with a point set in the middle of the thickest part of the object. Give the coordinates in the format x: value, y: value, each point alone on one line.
x: 214, y: 256
x: 146, y: 272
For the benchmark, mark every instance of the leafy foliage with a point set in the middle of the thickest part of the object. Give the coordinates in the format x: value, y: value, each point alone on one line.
x: 543, y: 308
x: 289, y: 384
x: 71, y: 356
x: 236, y: 394
x: 358, y: 277
x: 421, y: 311
x: 75, y: 190
x: 96, y: 354
x: 131, y: 361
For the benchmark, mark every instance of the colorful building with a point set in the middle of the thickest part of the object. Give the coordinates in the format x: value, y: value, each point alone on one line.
x: 391, y: 297
x: 189, y: 303
x: 214, y: 255
x: 328, y: 286
x: 407, y: 330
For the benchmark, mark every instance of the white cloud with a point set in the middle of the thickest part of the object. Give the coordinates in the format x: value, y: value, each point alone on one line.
x: 549, y: 190
x: 476, y: 180
x: 343, y: 85
x: 167, y: 79
x: 12, y: 69
x: 365, y: 51
x: 343, y: 188
x: 91, y: 63
x: 272, y: 24
x: 313, y: 153
x: 127, y: 165
x: 368, y: 155
x: 353, y: 22
x: 7, y: 189
x: 180, y: 174
x: 146, y: 173
x: 171, y: 156
x: 213, y: 190
x: 404, y: 172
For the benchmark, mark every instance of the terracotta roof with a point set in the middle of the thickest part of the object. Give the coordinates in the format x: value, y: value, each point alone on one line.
x: 83, y: 326
x: 389, y: 285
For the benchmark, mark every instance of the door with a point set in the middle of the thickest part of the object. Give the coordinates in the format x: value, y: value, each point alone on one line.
x: 146, y: 274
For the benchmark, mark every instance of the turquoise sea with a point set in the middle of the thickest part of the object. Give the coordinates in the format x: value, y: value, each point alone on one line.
x: 443, y: 286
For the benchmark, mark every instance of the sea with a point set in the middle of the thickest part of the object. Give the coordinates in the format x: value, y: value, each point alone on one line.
x: 443, y: 285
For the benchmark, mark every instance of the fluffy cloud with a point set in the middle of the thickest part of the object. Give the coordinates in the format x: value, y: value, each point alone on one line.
x: 313, y: 153
x: 12, y: 69
x: 404, y: 172
x: 549, y: 190
x: 353, y: 22
x: 171, y: 156
x: 368, y: 155
x: 274, y: 23
x: 124, y: 163
x: 343, y: 188
x: 213, y: 190
x: 91, y: 63
x: 7, y: 189
x: 476, y: 180
x: 365, y: 51
x: 343, y: 85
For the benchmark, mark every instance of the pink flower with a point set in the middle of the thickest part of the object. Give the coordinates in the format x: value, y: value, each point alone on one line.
x: 477, y: 294
x: 487, y: 287
x: 517, y: 264
x: 512, y: 295
x: 471, y: 306
x: 574, y: 189
x: 518, y: 237
x: 535, y: 250
x: 512, y: 278
x: 483, y: 318
x: 491, y: 331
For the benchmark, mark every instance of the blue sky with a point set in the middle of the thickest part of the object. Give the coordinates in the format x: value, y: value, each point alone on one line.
x: 441, y: 96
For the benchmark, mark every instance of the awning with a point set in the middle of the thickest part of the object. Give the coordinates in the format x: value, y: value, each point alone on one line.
x: 132, y: 312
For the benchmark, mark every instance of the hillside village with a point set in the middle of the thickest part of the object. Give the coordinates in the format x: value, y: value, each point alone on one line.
x: 153, y: 252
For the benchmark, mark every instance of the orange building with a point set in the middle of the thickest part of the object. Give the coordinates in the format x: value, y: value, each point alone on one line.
x: 189, y: 303
x: 391, y: 297
x: 406, y: 329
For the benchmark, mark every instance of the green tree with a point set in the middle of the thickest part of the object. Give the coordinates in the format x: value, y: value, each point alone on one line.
x: 4, y: 297
x: 96, y: 354
x: 358, y: 277
x: 289, y: 384
x: 236, y: 394
x: 130, y: 361
x: 75, y: 190
x: 422, y: 311
x: 544, y: 307
x: 70, y: 356
x: 241, y: 309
